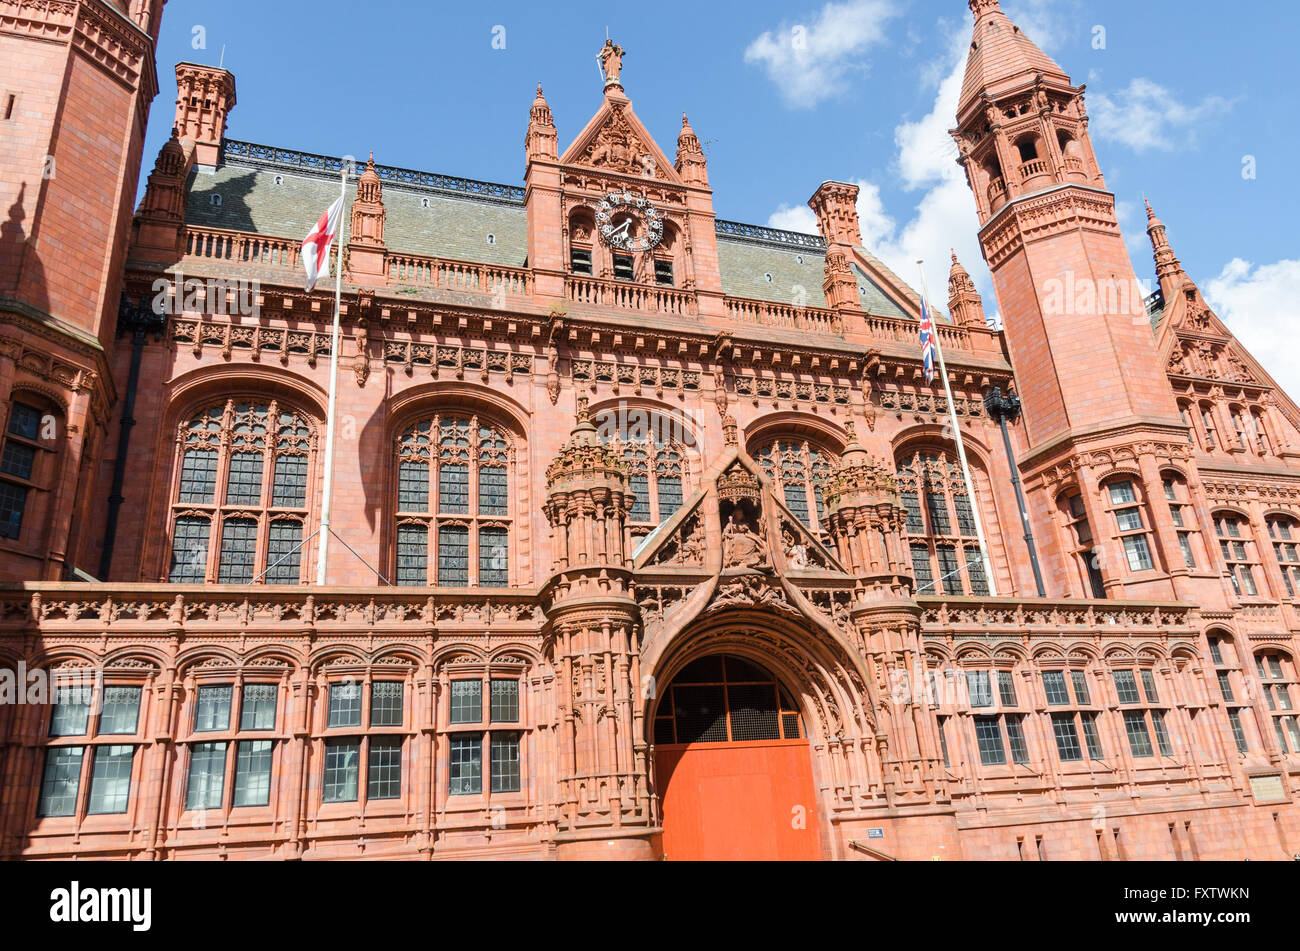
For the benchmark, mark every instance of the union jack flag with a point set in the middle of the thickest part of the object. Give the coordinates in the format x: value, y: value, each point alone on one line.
x: 927, y: 343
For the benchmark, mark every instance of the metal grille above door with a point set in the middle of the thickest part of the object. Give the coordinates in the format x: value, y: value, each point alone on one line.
x: 721, y: 699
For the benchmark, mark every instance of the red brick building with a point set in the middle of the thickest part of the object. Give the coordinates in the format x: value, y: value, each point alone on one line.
x: 652, y: 537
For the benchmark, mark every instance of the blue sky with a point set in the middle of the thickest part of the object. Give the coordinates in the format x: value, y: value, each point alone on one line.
x: 1183, y: 96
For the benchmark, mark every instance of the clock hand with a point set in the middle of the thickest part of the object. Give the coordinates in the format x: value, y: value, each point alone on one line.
x: 621, y: 230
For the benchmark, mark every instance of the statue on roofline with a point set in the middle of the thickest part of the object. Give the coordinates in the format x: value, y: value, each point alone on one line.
x: 611, y: 61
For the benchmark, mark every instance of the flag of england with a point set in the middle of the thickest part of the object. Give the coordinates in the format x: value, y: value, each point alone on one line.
x: 316, y: 247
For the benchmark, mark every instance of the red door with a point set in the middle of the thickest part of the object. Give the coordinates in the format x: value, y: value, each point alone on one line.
x: 733, y: 767
x: 738, y: 801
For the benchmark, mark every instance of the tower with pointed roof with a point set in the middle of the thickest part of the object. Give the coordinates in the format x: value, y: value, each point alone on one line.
x: 1073, y: 311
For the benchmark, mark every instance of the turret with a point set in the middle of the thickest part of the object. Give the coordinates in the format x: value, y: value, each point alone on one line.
x: 864, y: 514
x: 965, y: 306
x: 161, y: 214
x: 366, y: 244
x: 204, y: 97
x: 1022, y: 126
x: 691, y: 163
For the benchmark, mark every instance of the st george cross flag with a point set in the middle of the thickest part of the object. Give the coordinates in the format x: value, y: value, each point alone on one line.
x: 927, y: 343
x: 316, y: 247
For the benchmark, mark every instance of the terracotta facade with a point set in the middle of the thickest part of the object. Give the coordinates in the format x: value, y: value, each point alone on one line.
x: 590, y: 437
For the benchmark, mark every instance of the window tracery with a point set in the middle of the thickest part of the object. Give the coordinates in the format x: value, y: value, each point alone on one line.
x: 454, y: 514
x: 240, y: 508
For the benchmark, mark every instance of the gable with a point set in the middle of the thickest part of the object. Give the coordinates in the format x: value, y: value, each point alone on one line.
x: 615, y: 140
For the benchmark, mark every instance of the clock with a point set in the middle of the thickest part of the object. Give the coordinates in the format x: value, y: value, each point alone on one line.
x: 629, y: 222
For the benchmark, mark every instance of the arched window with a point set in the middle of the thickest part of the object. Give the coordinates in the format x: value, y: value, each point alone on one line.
x: 1183, y: 515
x: 1081, y: 541
x: 940, y: 525
x: 1210, y: 430
x: 1227, y: 672
x: 1237, y: 546
x: 240, y: 507
x: 1122, y: 498
x: 1277, y: 679
x: 1185, y: 411
x: 1285, y: 533
x: 722, y: 699
x: 800, y: 469
x: 656, y: 474
x: 27, y: 460
x: 1259, y: 432
x: 1238, y: 425
x: 454, y: 509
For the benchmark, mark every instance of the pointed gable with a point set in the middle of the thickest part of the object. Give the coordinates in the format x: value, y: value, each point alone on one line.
x: 615, y: 140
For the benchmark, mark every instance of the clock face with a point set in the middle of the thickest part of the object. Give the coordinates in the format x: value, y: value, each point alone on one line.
x: 629, y: 222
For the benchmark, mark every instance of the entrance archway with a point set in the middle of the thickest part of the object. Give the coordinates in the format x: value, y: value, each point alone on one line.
x: 733, y: 764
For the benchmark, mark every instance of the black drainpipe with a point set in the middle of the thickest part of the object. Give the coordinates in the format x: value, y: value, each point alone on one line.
x: 139, y: 319
x: 1004, y: 408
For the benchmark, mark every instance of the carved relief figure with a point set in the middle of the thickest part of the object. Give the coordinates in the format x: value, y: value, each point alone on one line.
x: 796, y: 553
x: 742, y: 547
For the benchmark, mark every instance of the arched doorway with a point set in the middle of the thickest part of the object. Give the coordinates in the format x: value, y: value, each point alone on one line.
x: 733, y: 765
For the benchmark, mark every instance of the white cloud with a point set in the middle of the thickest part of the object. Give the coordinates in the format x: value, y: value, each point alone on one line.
x: 1146, y: 116
x: 809, y: 61
x: 1258, y: 304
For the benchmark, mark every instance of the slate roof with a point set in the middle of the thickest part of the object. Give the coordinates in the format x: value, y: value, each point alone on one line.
x: 281, y: 193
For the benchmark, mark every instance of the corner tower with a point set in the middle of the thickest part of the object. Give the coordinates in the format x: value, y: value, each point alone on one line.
x: 1087, y: 366
x: 75, y: 94
x: 1074, y: 314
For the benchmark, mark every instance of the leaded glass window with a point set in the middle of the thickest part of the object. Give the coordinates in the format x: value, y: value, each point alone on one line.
x: 656, y: 476
x: 212, y: 709
x: 342, y: 764
x: 505, y: 701
x: 241, y: 496
x: 61, y: 781
x: 988, y: 736
x: 253, y: 773
x: 1126, y: 686
x: 505, y: 762
x: 207, y: 777
x: 110, y: 780
x: 22, y: 470
x: 386, y: 703
x: 466, y: 701
x: 466, y: 765
x: 1067, y: 737
x: 940, y: 526
x: 385, y: 768
x: 1139, y: 738
x: 121, y: 712
x: 453, y: 556
x: 71, y: 715
x: 1054, y: 686
x: 284, y: 553
x: 800, y: 468
x: 345, y: 704
x: 257, y: 711
x: 454, y: 504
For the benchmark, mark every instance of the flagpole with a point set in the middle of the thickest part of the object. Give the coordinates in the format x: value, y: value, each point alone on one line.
x: 961, y: 445
x: 325, y: 531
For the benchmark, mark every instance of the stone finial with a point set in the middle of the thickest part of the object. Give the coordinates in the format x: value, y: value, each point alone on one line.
x: 981, y: 7
x: 1167, y: 263
x: 730, y: 431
